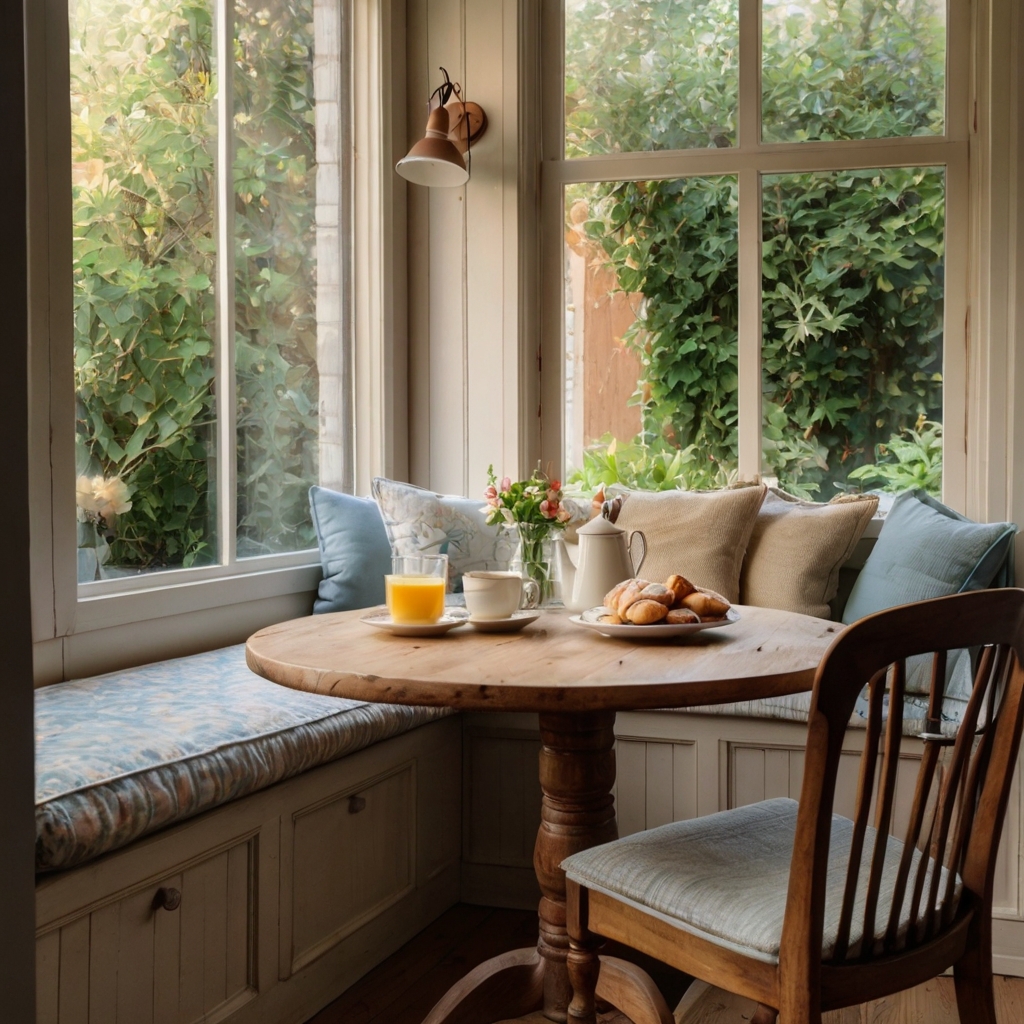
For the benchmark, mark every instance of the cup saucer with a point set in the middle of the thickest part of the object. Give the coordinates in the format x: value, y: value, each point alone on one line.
x: 510, y: 625
x: 452, y: 618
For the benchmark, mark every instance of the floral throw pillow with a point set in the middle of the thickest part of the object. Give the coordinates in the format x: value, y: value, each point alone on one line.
x: 422, y: 522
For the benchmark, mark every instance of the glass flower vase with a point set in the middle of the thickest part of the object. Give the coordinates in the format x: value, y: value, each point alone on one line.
x: 534, y: 559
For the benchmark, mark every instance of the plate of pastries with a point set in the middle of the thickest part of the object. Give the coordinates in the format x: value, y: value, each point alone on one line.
x: 641, y: 609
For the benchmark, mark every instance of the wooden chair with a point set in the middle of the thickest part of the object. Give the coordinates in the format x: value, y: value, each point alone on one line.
x: 710, y: 896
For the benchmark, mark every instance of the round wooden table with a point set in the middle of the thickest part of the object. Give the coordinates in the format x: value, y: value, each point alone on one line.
x: 576, y: 680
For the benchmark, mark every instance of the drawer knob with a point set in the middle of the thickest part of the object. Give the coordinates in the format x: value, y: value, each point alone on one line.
x: 356, y: 804
x: 167, y: 899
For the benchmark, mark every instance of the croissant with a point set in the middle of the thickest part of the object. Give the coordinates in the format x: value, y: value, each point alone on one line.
x: 707, y: 605
x: 656, y: 592
x: 646, y: 612
x: 680, y: 586
x: 681, y: 617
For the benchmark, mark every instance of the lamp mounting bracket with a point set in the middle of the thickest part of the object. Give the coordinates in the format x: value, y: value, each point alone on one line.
x: 467, y: 122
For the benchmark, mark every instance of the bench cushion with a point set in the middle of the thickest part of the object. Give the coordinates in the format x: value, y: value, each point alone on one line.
x: 121, y: 755
x: 796, y: 707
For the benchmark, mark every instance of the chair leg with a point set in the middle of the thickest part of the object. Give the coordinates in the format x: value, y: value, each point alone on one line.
x: 975, y: 997
x: 798, y: 1009
x: 582, y: 962
x: 584, y: 965
x: 764, y: 1015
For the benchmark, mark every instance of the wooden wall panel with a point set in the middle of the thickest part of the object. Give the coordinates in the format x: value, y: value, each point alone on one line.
x: 74, y: 972
x: 48, y: 978
x: 465, y: 334
x: 125, y: 962
x: 656, y: 783
x: 502, y: 796
x: 374, y: 828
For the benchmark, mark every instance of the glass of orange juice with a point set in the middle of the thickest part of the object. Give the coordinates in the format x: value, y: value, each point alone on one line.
x: 416, y: 587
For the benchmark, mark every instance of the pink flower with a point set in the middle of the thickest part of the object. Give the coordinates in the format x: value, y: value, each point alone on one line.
x: 492, y: 496
x: 564, y: 515
x: 553, y: 495
x: 506, y: 484
x: 549, y: 509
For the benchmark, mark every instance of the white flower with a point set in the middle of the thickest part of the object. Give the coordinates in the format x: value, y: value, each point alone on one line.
x: 104, y: 497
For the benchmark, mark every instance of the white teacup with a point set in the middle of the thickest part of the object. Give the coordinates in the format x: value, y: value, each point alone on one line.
x: 498, y: 595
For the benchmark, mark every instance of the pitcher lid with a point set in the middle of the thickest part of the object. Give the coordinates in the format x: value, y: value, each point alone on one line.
x: 600, y: 527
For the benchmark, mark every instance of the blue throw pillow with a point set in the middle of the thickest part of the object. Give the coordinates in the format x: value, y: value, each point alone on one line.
x: 926, y: 550
x: 354, y: 550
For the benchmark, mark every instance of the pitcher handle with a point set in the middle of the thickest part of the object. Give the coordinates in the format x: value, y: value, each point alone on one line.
x: 643, y: 553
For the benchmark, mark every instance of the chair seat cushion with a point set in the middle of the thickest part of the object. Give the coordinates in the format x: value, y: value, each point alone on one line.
x: 725, y: 877
x: 121, y: 755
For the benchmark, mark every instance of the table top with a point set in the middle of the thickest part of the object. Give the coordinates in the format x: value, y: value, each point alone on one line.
x: 551, y: 665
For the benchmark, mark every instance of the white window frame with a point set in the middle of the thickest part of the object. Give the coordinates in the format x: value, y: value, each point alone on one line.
x: 358, y: 385
x: 748, y: 160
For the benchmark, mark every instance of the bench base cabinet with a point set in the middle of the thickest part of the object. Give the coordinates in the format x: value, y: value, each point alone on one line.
x: 263, y: 910
x: 671, y: 766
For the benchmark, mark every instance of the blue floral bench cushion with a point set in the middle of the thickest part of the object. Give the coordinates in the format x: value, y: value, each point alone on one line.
x: 121, y: 755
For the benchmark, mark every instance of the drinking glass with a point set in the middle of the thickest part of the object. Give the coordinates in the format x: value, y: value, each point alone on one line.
x: 416, y: 587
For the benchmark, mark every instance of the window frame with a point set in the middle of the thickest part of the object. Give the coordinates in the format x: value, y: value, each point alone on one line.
x: 366, y: 379
x: 748, y: 161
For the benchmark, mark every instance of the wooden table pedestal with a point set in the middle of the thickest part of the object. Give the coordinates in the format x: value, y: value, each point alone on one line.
x: 577, y: 772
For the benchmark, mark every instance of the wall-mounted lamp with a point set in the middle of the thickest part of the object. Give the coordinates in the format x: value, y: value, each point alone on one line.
x: 453, y: 125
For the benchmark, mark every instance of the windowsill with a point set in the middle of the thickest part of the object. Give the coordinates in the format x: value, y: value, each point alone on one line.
x: 119, y: 602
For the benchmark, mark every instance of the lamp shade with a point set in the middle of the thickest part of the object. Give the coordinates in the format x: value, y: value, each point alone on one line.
x: 434, y: 160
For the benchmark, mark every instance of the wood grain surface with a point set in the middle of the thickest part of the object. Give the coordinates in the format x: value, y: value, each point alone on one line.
x: 551, y: 665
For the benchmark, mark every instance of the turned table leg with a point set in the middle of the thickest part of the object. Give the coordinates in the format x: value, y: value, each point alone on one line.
x: 577, y: 771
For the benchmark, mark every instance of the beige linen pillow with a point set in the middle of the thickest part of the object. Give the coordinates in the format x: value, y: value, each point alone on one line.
x: 797, y: 549
x: 700, y: 534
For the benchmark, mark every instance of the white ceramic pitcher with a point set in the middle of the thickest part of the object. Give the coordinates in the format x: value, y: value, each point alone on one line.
x: 605, y: 559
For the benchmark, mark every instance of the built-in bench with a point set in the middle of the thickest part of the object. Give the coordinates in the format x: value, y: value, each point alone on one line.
x: 213, y: 846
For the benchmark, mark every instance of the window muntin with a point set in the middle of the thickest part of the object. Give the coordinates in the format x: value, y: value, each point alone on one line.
x: 761, y: 425
x: 211, y: 434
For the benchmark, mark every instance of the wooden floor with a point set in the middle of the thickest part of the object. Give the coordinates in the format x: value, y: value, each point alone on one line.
x: 404, y: 988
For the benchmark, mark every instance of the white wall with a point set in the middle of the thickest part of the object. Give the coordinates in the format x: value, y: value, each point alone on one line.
x: 472, y: 354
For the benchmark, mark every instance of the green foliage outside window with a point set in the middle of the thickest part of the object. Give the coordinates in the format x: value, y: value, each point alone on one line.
x: 853, y: 261
x: 143, y: 142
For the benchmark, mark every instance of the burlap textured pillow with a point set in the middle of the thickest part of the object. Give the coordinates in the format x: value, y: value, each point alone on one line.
x: 700, y: 534
x: 797, y: 549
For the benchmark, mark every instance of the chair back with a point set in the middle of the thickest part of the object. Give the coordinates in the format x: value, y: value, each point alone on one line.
x: 961, y: 790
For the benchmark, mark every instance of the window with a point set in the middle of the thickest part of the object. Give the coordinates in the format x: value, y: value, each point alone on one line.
x: 206, y: 201
x: 763, y: 244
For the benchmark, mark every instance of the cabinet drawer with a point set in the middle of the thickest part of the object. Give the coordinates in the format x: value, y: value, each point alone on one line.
x: 177, y: 950
x: 344, y: 860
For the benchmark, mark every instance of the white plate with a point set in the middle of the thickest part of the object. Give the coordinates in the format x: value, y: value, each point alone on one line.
x: 660, y: 630
x: 452, y: 618
x: 509, y: 625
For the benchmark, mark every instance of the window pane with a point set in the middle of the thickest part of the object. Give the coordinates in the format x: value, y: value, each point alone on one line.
x: 143, y: 207
x: 852, y: 69
x: 650, y: 74
x: 651, y: 319
x: 276, y: 273
x: 852, y: 352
